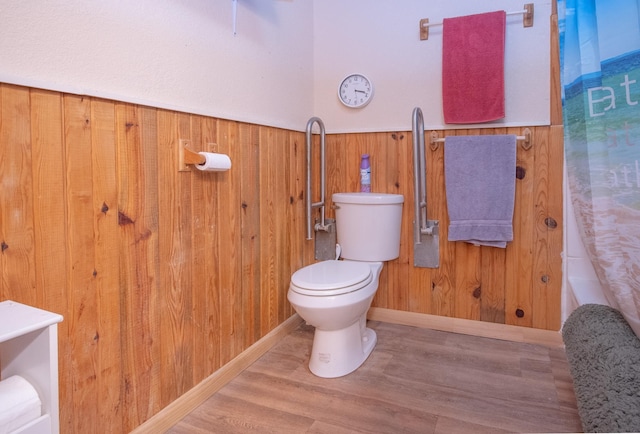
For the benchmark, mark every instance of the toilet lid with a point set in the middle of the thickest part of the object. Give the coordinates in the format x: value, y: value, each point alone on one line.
x: 331, y: 278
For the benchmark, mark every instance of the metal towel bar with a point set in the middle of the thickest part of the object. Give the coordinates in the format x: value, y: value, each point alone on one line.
x: 525, y: 139
x: 527, y: 21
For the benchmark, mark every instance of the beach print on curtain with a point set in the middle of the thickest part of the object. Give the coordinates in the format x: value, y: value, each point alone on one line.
x: 600, y: 62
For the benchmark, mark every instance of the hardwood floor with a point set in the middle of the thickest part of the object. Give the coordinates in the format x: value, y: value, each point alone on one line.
x: 416, y: 381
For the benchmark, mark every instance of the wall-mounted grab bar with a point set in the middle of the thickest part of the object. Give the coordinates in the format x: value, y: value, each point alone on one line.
x: 310, y: 203
x: 426, y: 240
x: 420, y: 182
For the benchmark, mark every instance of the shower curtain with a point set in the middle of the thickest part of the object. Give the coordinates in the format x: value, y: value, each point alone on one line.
x: 600, y: 73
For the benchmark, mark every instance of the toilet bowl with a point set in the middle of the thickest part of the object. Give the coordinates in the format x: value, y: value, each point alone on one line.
x: 334, y: 296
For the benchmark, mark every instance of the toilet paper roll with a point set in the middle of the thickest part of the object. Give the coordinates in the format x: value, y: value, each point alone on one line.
x: 19, y: 403
x: 214, y: 162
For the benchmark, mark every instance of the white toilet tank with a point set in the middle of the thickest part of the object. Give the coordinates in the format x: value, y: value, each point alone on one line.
x: 368, y: 225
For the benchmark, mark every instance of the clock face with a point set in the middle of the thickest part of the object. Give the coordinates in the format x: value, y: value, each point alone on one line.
x: 355, y: 91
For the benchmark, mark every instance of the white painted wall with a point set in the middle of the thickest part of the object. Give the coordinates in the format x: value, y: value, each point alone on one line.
x: 175, y: 54
x: 282, y: 67
x: 381, y: 40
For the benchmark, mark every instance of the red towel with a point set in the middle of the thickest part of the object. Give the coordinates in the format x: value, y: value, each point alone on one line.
x: 473, y: 68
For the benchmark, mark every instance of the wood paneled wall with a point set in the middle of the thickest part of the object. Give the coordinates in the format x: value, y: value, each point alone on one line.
x: 519, y: 285
x: 162, y: 276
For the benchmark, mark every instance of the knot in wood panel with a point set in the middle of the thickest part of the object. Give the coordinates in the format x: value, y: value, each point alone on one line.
x: 124, y: 219
x: 551, y: 222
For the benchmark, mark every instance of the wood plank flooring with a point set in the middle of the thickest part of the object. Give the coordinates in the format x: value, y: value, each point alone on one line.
x: 416, y: 381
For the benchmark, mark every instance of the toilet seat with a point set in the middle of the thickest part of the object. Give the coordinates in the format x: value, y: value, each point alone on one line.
x: 329, y: 278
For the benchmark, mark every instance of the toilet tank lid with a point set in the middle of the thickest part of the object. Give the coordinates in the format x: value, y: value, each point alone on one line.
x: 368, y: 198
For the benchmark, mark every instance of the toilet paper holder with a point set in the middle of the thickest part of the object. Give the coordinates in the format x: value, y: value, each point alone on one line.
x: 186, y: 156
x: 203, y: 161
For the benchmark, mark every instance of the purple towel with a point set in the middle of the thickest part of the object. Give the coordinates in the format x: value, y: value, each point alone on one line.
x: 480, y: 186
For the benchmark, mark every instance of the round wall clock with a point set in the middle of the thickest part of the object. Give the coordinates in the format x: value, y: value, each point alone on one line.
x: 355, y: 91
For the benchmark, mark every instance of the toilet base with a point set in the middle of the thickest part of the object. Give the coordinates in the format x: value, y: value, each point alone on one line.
x: 336, y: 353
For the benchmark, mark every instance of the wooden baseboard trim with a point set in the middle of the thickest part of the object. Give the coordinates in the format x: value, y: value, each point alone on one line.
x: 505, y: 332
x: 185, y: 404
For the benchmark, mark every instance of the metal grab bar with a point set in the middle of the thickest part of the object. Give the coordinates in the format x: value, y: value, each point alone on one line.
x: 426, y: 250
x: 310, y: 203
x: 420, y: 182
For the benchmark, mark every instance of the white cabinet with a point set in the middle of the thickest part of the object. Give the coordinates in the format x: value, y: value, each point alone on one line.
x: 29, y: 348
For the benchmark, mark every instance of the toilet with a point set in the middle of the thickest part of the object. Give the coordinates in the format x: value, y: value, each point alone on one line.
x: 335, y: 295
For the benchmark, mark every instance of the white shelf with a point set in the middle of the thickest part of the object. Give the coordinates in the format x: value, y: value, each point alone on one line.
x: 18, y: 319
x: 29, y: 348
